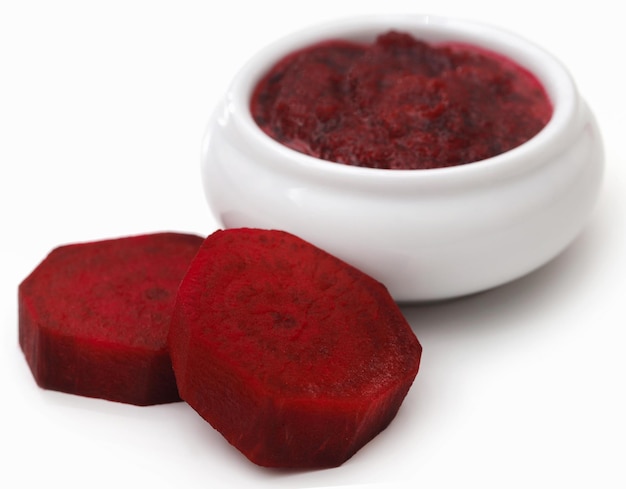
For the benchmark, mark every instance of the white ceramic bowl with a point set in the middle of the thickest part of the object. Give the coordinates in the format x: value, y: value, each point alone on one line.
x: 426, y: 234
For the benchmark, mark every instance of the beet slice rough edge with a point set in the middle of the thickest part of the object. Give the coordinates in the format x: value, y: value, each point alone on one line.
x: 295, y: 357
x: 94, y: 317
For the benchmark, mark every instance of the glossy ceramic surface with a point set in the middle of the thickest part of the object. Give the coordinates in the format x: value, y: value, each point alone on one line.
x: 426, y: 234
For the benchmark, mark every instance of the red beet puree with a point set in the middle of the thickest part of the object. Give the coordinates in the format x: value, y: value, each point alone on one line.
x: 399, y: 103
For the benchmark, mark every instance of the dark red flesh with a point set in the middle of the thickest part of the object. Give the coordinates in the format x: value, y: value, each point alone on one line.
x: 295, y: 357
x: 94, y: 317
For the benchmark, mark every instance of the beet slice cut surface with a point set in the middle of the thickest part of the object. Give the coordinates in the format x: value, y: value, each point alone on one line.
x: 94, y: 317
x: 295, y: 357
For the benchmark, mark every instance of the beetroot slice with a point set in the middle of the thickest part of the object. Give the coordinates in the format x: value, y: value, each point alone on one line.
x: 297, y: 358
x: 94, y: 317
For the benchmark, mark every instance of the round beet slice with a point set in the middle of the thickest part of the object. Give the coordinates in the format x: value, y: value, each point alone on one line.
x: 295, y: 357
x: 94, y: 317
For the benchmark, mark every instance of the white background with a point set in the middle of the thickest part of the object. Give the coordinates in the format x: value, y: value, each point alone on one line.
x: 102, y: 110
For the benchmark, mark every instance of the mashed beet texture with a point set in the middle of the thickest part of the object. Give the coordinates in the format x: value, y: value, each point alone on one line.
x: 399, y: 103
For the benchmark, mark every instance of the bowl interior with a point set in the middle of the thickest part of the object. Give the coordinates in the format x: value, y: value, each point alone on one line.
x: 548, y: 70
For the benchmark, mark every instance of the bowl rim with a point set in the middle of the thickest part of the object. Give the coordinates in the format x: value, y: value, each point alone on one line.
x: 544, y: 146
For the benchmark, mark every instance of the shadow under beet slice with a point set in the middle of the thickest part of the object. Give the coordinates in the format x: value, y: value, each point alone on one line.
x: 94, y: 317
x: 297, y: 358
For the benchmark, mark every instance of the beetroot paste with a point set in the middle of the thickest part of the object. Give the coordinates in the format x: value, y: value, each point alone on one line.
x: 399, y: 103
